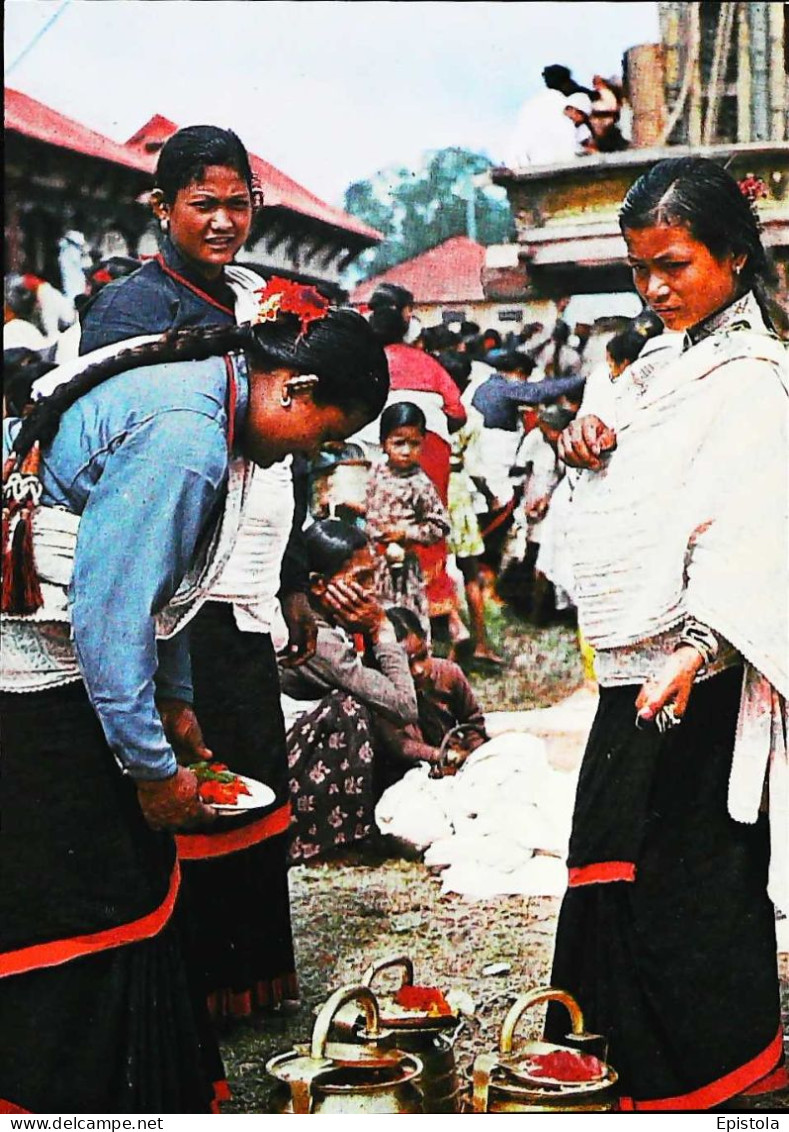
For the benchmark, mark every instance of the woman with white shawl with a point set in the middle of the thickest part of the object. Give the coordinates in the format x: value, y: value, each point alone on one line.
x: 678, y: 532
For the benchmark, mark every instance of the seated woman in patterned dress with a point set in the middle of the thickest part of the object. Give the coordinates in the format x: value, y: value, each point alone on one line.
x: 360, y: 674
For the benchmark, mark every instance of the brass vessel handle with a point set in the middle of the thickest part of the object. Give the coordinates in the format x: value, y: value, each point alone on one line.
x: 534, y: 998
x: 481, y: 1074
x: 390, y: 961
x: 363, y: 995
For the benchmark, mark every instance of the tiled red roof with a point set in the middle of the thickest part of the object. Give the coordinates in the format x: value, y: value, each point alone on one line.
x: 24, y: 115
x: 449, y: 273
x: 278, y: 189
x: 150, y: 138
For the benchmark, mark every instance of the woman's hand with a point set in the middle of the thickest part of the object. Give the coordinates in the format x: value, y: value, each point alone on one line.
x: 355, y: 608
x: 538, y: 509
x: 173, y: 804
x: 302, y: 630
x: 670, y: 689
x: 584, y: 441
x: 183, y: 731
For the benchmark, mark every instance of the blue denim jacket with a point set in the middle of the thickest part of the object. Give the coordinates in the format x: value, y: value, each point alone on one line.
x: 143, y: 460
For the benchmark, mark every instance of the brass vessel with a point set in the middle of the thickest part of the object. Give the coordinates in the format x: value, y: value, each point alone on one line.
x: 430, y: 1037
x: 366, y: 1076
x: 503, y: 1082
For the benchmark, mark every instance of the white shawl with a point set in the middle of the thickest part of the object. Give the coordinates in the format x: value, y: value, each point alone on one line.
x: 689, y: 518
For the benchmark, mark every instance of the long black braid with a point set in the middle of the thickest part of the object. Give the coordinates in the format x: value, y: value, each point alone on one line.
x: 41, y: 423
x: 340, y: 349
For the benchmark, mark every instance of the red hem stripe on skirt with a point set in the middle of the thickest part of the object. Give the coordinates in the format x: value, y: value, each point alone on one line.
x: 199, y: 846
x: 221, y: 1093
x: 601, y: 873
x: 59, y: 951
x: 496, y: 522
x: 778, y: 1079
x: 265, y: 994
x: 738, y: 1081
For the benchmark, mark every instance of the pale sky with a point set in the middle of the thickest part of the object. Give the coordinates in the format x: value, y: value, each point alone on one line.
x: 329, y: 91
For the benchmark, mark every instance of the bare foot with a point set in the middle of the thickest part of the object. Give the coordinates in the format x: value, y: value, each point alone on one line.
x: 487, y: 655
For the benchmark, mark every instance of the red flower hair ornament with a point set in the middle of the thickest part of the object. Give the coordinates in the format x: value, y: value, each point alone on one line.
x: 287, y: 297
x: 753, y: 188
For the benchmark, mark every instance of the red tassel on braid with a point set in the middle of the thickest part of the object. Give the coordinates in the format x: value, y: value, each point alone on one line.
x: 21, y: 589
x: 7, y: 575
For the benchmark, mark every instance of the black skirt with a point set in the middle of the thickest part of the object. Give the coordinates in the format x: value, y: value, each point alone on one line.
x: 666, y: 935
x: 96, y: 1010
x: 235, y: 884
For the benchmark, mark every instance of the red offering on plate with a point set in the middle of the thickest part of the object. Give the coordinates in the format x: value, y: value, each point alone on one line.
x: 565, y: 1065
x: 429, y: 1000
x: 217, y: 785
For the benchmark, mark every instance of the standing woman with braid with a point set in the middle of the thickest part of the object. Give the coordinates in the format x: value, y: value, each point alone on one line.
x: 235, y: 889
x: 679, y: 852
x: 143, y: 463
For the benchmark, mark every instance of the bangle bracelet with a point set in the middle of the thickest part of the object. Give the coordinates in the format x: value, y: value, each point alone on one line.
x: 703, y: 639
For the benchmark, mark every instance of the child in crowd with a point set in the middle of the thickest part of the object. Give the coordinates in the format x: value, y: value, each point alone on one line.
x: 404, y: 511
x: 466, y: 483
x: 451, y: 723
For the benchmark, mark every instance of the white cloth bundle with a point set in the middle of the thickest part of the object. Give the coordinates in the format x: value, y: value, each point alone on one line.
x: 485, y: 824
x: 251, y: 578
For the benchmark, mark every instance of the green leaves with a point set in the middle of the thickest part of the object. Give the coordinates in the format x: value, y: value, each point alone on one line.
x: 417, y: 209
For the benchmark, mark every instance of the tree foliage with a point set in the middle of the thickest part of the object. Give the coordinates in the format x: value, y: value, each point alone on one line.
x: 417, y: 209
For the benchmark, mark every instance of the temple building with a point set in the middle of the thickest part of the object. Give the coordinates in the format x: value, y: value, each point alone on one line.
x: 62, y: 177
x: 446, y: 283
x: 715, y: 86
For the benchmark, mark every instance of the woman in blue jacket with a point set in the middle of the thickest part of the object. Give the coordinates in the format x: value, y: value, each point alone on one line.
x: 140, y: 481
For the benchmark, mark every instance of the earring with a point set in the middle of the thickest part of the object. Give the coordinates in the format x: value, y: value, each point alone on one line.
x: 737, y: 268
x: 164, y: 224
x: 297, y: 385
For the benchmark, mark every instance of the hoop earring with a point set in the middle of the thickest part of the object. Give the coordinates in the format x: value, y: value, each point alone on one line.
x: 298, y: 384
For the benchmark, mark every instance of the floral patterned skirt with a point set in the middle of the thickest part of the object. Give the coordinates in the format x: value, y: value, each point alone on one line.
x: 330, y: 757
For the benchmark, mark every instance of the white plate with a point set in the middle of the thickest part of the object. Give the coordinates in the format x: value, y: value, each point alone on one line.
x: 258, y: 797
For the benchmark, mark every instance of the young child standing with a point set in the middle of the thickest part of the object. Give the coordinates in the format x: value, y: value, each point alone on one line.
x: 404, y: 511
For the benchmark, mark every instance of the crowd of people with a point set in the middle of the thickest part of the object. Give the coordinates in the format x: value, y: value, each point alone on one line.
x: 237, y: 521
